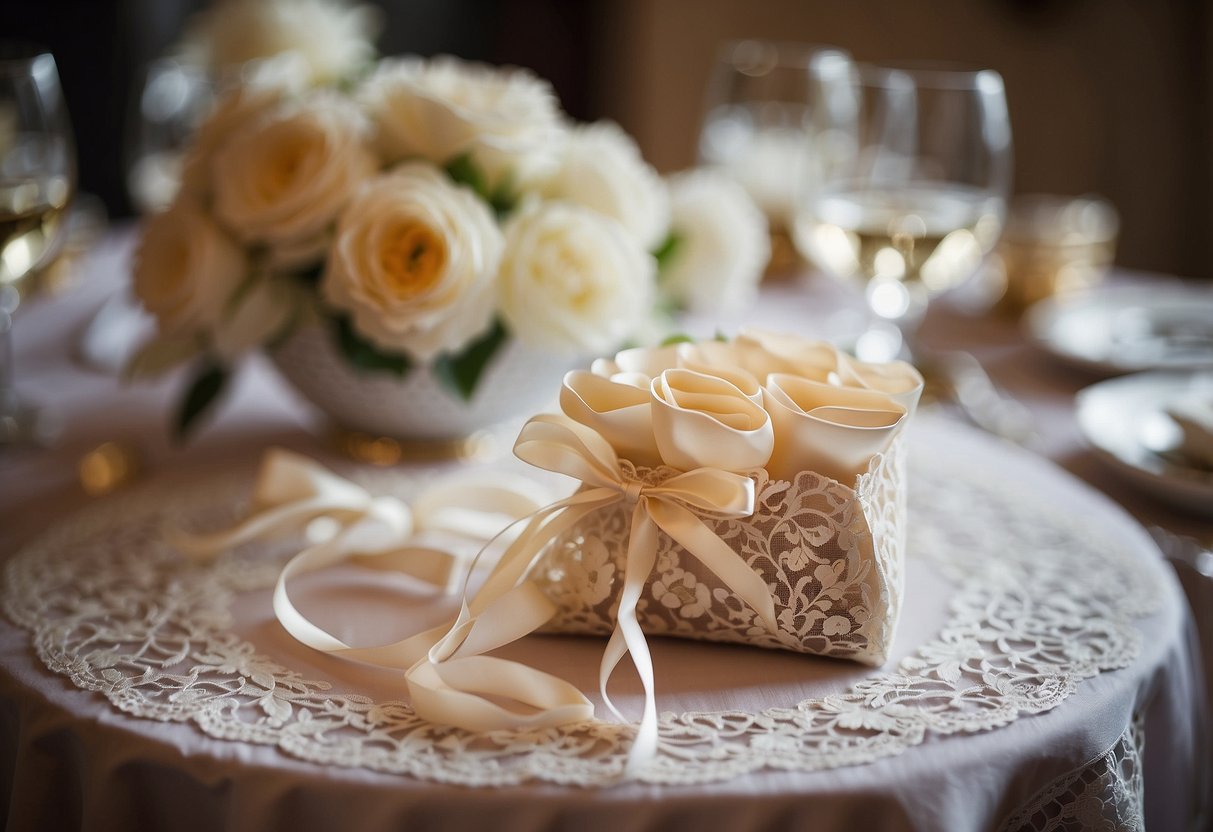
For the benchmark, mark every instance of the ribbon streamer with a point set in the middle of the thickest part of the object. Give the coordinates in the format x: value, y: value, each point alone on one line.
x: 449, y: 678
x: 450, y: 686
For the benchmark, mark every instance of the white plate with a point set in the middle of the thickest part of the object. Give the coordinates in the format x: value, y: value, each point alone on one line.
x: 1130, y: 328
x: 1125, y: 420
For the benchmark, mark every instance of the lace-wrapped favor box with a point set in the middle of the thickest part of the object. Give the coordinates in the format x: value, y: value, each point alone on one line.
x: 830, y: 553
x: 825, y: 528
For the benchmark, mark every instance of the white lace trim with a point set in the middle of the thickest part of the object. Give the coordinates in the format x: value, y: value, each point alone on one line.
x: 1042, y: 601
x: 1105, y: 793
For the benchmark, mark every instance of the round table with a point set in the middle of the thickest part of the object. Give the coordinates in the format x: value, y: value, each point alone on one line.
x: 1124, y: 744
x: 1121, y: 746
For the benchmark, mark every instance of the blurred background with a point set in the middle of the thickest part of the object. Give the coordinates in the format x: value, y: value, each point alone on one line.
x: 1106, y: 96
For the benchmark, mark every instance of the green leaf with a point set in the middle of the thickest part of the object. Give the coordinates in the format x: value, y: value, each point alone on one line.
x: 677, y: 338
x: 206, y: 386
x: 464, y: 171
x: 365, y: 355
x: 668, y: 248
x: 461, y: 373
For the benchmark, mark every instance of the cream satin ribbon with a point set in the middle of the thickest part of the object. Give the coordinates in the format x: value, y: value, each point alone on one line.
x: 293, y: 492
x: 450, y: 686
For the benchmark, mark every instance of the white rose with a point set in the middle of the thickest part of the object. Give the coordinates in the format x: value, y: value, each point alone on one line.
x: 572, y: 279
x: 506, y: 119
x: 333, y: 38
x: 283, y: 179
x: 264, y: 86
x: 414, y: 262
x: 723, y: 243
x: 186, y: 269
x: 602, y: 169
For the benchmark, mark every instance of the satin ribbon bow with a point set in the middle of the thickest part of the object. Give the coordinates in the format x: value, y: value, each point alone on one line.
x: 344, y: 522
x: 449, y: 687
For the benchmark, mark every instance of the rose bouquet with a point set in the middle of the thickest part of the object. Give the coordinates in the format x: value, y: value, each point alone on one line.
x: 423, y: 216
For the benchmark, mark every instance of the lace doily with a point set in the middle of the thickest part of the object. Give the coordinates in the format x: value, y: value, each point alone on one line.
x: 1042, y: 601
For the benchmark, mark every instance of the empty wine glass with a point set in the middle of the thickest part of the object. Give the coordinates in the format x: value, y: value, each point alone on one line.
x: 37, y: 180
x: 770, y: 108
x: 919, y: 200
x: 175, y: 97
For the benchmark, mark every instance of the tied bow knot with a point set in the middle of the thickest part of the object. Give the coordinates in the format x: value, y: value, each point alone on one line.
x: 451, y: 685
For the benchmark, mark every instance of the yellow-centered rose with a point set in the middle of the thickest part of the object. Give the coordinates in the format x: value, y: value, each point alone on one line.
x: 186, y: 269
x: 282, y: 180
x: 414, y: 262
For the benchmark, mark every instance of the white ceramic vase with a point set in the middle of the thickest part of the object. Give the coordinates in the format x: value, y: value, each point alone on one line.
x: 518, y: 381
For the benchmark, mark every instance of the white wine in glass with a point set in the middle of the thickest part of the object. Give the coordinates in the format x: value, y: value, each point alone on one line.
x: 917, y: 206
x: 37, y: 180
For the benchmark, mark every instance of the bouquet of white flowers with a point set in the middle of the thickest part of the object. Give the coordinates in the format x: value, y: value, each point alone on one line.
x: 425, y: 212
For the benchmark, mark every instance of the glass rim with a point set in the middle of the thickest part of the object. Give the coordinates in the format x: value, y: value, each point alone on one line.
x: 789, y: 54
x: 928, y: 75
x: 21, y: 52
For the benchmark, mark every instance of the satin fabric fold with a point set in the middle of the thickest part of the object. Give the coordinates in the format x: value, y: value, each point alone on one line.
x: 447, y: 689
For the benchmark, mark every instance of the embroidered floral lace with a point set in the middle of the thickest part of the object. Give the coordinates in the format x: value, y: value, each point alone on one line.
x: 831, y: 555
x: 1042, y: 601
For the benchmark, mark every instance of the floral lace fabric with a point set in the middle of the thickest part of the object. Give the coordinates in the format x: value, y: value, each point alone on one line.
x: 1042, y: 601
x: 1105, y: 793
x: 831, y: 554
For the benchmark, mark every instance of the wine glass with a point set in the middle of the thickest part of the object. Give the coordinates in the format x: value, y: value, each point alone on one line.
x: 37, y: 181
x: 175, y: 97
x: 918, y: 201
x: 770, y: 108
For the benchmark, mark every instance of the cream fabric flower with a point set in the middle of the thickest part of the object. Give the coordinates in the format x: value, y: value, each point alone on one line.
x: 723, y: 243
x: 414, y: 262
x: 827, y: 428
x: 701, y: 420
x: 572, y: 279
x: 333, y: 38
x: 620, y: 412
x: 186, y: 269
x: 283, y: 180
x: 602, y: 169
x: 443, y: 108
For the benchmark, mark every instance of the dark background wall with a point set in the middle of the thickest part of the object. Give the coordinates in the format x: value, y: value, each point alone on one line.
x: 1106, y: 96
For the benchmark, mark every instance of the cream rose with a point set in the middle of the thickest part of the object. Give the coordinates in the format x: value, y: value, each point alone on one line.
x: 723, y: 243
x: 828, y: 428
x: 602, y: 169
x: 283, y: 180
x: 619, y: 412
x: 508, y: 120
x: 264, y: 85
x: 572, y: 279
x: 414, y: 262
x: 333, y: 39
x: 702, y: 420
x: 186, y: 269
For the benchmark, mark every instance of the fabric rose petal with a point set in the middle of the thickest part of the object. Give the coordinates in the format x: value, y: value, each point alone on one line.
x: 283, y: 179
x: 414, y: 262
x: 637, y: 366
x: 602, y: 169
x: 507, y: 120
x: 827, y: 428
x: 572, y: 280
x: 619, y: 412
x: 704, y: 421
